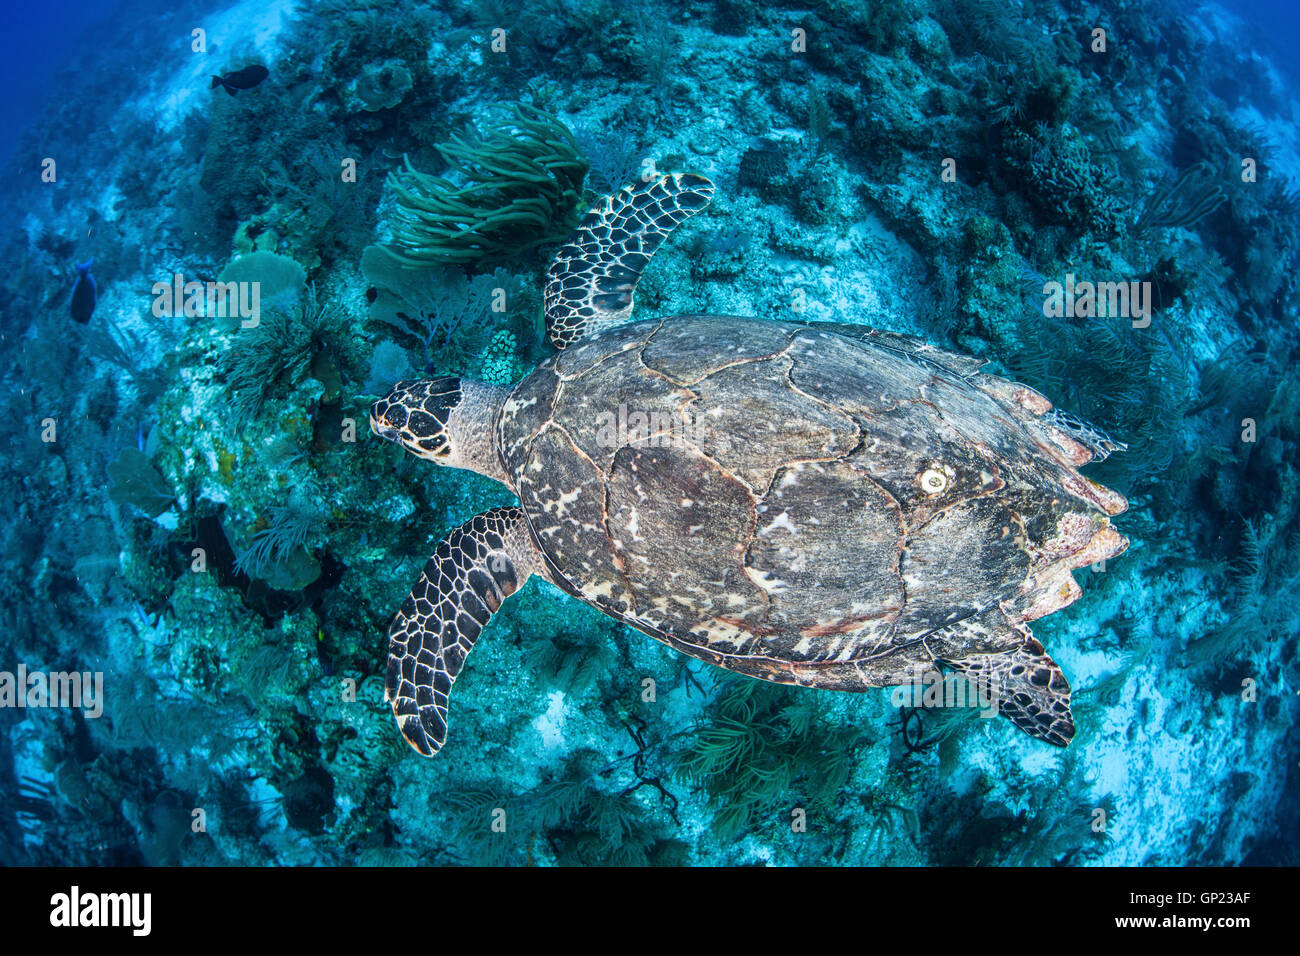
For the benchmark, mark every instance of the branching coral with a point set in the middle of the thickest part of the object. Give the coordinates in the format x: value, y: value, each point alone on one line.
x: 884, y: 821
x: 1062, y: 178
x: 277, y: 353
x: 1059, y: 837
x: 1262, y: 580
x: 1234, y: 380
x: 279, y: 278
x: 761, y: 745
x: 318, y: 212
x: 118, y: 347
x: 584, y: 821
x: 381, y: 87
x: 570, y: 661
x: 287, y: 532
x: 613, y: 155
x: 1181, y: 202
x: 511, y: 189
x: 388, y: 364
x: 1129, y: 382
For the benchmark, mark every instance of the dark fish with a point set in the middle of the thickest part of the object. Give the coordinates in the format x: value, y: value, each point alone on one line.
x: 83, y: 294
x: 322, y: 655
x: 244, y: 79
x: 372, y: 294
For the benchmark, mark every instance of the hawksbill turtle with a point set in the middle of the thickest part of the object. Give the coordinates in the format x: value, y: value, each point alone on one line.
x: 809, y: 503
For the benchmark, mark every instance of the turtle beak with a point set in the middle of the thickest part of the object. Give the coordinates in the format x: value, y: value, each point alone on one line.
x: 383, y: 429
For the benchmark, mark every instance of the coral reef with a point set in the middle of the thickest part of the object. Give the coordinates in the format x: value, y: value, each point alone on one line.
x: 197, y: 510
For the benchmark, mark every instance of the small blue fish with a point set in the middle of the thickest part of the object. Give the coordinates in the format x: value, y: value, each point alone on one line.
x: 83, y: 294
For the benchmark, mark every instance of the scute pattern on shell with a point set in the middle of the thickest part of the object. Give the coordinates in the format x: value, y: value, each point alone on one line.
x: 789, y: 534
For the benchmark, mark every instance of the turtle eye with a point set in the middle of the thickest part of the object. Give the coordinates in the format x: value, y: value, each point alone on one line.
x: 934, y: 480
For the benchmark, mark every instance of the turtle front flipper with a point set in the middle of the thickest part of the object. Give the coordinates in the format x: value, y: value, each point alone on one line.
x: 474, y: 569
x: 1029, y: 688
x: 590, y: 284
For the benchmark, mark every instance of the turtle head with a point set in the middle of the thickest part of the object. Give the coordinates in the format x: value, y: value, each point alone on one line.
x: 416, y: 416
x: 447, y: 420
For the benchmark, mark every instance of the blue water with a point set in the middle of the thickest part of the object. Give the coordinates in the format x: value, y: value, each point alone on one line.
x: 38, y: 41
x: 201, y: 524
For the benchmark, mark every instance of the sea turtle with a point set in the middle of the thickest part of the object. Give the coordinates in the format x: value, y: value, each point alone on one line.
x: 824, y: 505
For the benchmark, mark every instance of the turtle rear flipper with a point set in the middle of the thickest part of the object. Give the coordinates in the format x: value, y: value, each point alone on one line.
x: 1029, y: 688
x: 590, y: 284
x: 474, y: 569
x: 1085, y: 433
